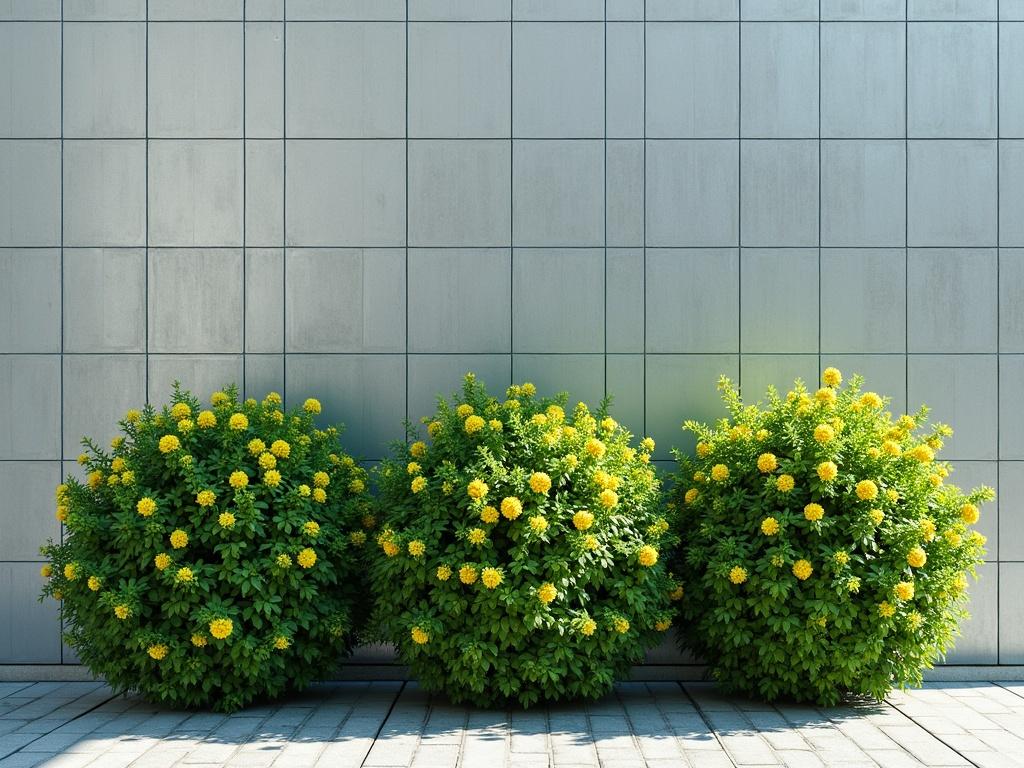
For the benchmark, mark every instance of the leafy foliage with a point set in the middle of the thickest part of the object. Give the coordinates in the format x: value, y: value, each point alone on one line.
x: 824, y: 552
x: 209, y: 557
x: 519, y: 555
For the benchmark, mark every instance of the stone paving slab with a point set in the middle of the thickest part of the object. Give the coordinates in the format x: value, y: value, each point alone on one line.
x: 398, y: 725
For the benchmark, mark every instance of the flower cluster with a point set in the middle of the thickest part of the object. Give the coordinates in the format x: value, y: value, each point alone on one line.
x: 826, y: 553
x: 200, y: 565
x: 521, y: 550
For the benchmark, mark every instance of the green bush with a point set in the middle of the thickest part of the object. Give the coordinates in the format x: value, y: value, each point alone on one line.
x: 208, y: 559
x: 824, y: 552
x: 520, y: 551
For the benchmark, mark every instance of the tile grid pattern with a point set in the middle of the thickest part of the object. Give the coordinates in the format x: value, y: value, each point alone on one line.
x: 396, y: 725
x: 389, y: 223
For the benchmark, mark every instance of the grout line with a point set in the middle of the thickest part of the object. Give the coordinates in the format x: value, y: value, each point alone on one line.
x: 739, y: 205
x: 406, y: 30
x: 643, y: 298
x: 245, y: 223
x: 605, y: 206
x: 284, y: 202
x: 819, y: 196
x: 60, y: 465
x: 999, y: 308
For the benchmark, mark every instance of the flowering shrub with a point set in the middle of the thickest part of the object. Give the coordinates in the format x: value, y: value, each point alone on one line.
x: 208, y: 557
x: 521, y: 554
x: 825, y: 552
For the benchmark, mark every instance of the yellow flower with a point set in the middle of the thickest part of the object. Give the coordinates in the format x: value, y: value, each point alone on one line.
x: 528, y: 389
x: 122, y: 611
x: 185, y: 426
x: 927, y: 528
x: 221, y: 628
x: 871, y: 400
x: 312, y: 405
x: 319, y: 495
x: 827, y: 471
x: 416, y: 548
x: 418, y: 484
x: 608, y: 498
x: 737, y: 575
x: 311, y: 528
x: 206, y: 498
x: 443, y: 573
x: 891, y: 448
x: 62, y: 513
x: 489, y: 514
x: 547, y: 593
x: 238, y: 421
x: 304, y: 490
x: 306, y: 558
x: 691, y: 495
x: 766, y: 462
x: 226, y: 520
x: 802, y: 569
x: 647, y: 444
x: 824, y: 433
x: 117, y: 464
x: 922, y: 453
x: 969, y: 514
x: 413, y: 468
x: 842, y: 557
x: 358, y: 538
x: 180, y: 410
x: 886, y: 609
x: 476, y: 536
x: 477, y: 489
x: 769, y: 526
x: 206, y: 420
x: 892, y: 494
x: 876, y: 516
x: 272, y: 478
x: 595, y: 448
x: 785, y: 483
x: 157, y: 651
x: 83, y: 458
x: 538, y: 523
x: 539, y: 419
x: 267, y: 460
x: 179, y: 539
x: 904, y: 590
x: 720, y: 473
x: 588, y: 627
x: 540, y: 482
x: 467, y: 574
x: 853, y: 584
x: 132, y: 415
x: 219, y: 398
x: 184, y: 575
x: 96, y: 478
x: 583, y: 520
x: 703, y: 449
x: 169, y: 443
x: 511, y: 507
x: 831, y: 377
x: 281, y: 449
x: 464, y: 410
x: 433, y: 428
x: 825, y: 396
x: 46, y: 571
x: 473, y: 424
x: 238, y: 479
x: 161, y: 561
x: 127, y: 477
x: 198, y: 640
x: 491, y: 577
x: 419, y: 636
x: 146, y: 506
x: 321, y: 479
x: 283, y: 561
x: 647, y: 556
x: 418, y: 449
x: 95, y: 583
x: 113, y: 480
x: 867, y: 490
x: 916, y: 557
x: 814, y: 512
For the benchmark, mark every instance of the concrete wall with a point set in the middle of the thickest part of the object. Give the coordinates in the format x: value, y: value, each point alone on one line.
x: 363, y: 199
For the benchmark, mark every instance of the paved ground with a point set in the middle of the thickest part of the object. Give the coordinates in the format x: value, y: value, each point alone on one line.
x: 380, y: 724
